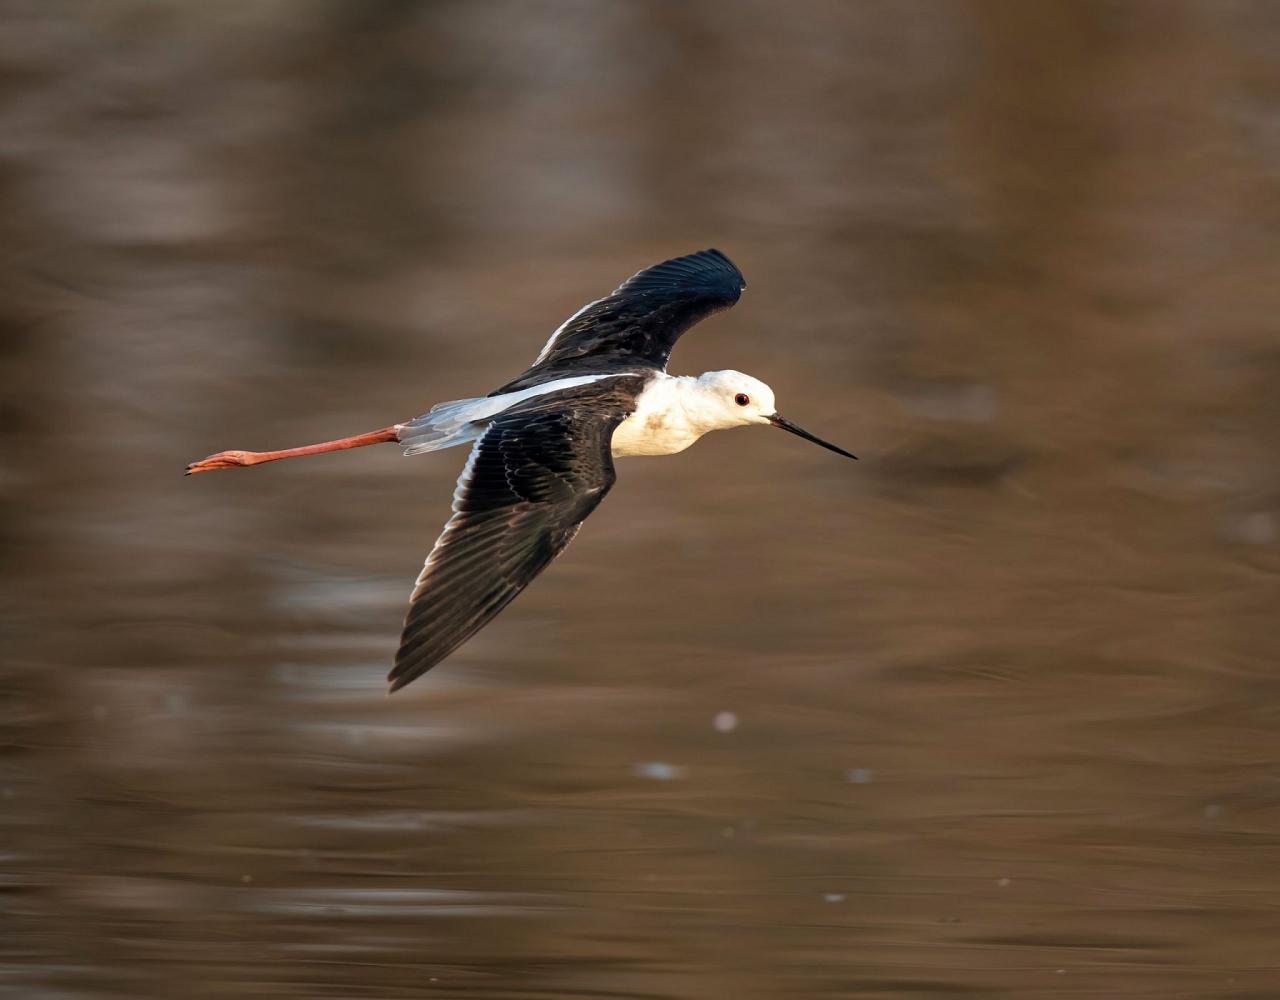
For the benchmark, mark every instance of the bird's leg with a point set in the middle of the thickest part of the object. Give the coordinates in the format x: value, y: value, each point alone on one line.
x: 231, y: 459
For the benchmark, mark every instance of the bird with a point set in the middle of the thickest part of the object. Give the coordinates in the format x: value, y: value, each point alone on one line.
x: 543, y: 445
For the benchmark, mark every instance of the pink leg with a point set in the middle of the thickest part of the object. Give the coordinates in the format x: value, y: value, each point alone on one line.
x: 231, y: 459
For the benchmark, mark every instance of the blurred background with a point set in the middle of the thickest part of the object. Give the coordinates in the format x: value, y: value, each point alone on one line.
x: 993, y: 713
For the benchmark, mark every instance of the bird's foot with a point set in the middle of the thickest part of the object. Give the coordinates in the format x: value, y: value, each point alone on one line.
x: 223, y: 460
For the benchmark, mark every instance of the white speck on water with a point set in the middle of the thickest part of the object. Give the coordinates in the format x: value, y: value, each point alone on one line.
x: 1004, y: 883
x: 1211, y: 811
x: 246, y: 879
x: 658, y: 770
x: 176, y: 704
x: 859, y: 775
x: 728, y: 833
x: 833, y: 897
x: 725, y: 722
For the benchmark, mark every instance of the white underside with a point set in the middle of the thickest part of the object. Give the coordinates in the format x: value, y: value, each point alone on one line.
x: 661, y: 424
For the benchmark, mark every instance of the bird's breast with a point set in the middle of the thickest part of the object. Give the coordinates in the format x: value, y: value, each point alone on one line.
x: 659, y: 424
x: 651, y: 434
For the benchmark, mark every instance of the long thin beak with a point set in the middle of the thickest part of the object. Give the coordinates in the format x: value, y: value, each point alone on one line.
x: 778, y: 420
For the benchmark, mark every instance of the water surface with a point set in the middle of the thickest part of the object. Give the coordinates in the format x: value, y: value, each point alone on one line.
x: 991, y: 713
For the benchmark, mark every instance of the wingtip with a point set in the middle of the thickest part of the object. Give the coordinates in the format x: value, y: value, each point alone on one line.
x: 396, y: 680
x: 724, y: 258
x: 704, y: 269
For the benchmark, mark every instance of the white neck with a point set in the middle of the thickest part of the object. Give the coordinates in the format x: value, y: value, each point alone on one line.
x: 670, y: 414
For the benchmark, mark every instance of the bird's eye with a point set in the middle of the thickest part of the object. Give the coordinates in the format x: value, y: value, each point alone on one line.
x: 742, y: 399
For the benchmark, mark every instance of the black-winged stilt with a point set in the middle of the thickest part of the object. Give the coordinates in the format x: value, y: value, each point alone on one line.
x: 545, y: 443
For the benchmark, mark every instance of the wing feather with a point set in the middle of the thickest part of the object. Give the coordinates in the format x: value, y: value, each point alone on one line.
x: 638, y: 324
x: 531, y: 479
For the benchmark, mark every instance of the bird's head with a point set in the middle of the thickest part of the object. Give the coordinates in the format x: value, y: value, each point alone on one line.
x: 732, y: 399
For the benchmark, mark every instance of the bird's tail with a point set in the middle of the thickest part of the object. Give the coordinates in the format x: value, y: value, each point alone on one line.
x: 462, y: 420
x: 445, y: 425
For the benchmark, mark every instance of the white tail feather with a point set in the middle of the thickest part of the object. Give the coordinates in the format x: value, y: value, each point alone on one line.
x: 446, y: 425
x: 462, y: 420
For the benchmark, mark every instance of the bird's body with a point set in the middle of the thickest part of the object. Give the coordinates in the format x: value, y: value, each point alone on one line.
x: 667, y: 413
x: 543, y: 444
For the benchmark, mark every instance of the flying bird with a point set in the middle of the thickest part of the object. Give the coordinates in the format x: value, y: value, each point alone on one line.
x: 543, y: 445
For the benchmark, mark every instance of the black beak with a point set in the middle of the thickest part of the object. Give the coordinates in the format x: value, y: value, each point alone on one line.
x: 778, y: 420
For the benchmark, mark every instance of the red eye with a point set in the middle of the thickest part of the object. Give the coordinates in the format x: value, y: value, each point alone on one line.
x: 742, y: 399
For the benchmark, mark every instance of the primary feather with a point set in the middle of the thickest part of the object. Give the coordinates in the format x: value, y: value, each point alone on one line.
x: 638, y: 323
x: 533, y: 476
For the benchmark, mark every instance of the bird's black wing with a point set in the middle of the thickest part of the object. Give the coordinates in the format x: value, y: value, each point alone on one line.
x: 638, y: 324
x: 538, y: 470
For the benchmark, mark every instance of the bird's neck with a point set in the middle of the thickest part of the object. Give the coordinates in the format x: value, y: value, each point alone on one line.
x: 670, y: 414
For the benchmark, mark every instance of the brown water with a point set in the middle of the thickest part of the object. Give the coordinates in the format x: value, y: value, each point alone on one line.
x: 992, y: 713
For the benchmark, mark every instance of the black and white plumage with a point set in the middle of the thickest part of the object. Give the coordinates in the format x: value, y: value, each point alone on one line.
x: 637, y: 324
x: 534, y: 475
x: 543, y: 444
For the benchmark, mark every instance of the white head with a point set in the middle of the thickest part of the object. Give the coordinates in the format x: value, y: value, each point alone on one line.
x: 732, y: 399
